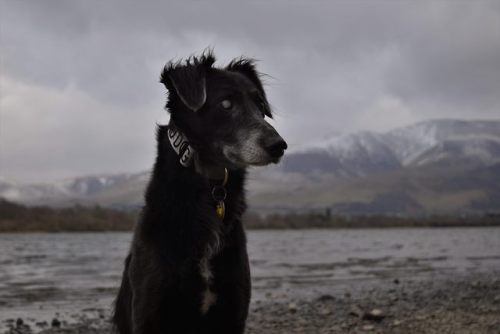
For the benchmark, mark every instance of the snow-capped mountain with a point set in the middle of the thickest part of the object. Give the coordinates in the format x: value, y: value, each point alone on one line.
x: 69, y: 191
x: 478, y: 150
x: 365, y: 153
x: 432, y: 166
x: 352, y: 155
x: 410, y: 142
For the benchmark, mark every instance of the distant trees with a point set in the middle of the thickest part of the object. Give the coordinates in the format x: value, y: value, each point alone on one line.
x: 327, y: 219
x: 19, y: 218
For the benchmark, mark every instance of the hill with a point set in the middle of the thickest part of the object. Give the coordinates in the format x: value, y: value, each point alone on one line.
x: 432, y: 167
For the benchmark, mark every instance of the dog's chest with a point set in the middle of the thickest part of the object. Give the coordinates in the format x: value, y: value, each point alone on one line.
x: 208, y: 296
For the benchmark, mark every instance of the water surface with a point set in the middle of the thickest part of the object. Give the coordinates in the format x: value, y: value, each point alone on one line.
x: 45, y: 273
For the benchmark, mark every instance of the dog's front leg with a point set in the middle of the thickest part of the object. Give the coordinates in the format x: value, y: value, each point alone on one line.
x: 141, y: 323
x: 232, y: 287
x: 160, y: 303
x: 145, y: 281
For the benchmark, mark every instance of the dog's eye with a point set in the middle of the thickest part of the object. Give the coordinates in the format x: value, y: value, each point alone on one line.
x: 226, y: 104
x: 263, y: 108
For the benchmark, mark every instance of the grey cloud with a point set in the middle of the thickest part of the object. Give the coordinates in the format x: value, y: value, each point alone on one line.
x: 334, y: 67
x: 453, y: 59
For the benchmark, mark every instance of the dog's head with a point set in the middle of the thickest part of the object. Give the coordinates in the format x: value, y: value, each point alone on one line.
x: 222, y: 111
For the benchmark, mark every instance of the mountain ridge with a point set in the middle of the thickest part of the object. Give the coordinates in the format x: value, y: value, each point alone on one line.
x: 431, y: 166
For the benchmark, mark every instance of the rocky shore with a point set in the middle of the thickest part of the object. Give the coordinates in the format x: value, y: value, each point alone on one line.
x: 421, y: 307
x: 454, y: 305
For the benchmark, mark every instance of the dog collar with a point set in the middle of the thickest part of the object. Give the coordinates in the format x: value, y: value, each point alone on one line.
x: 187, y: 153
x: 181, y: 146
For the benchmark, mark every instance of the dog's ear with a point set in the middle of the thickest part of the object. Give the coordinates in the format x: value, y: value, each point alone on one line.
x: 188, y: 80
x: 246, y: 67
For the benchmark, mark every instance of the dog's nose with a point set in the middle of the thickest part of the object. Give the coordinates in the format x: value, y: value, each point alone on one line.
x: 277, y: 148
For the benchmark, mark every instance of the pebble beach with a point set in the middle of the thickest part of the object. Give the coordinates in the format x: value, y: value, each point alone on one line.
x: 462, y: 305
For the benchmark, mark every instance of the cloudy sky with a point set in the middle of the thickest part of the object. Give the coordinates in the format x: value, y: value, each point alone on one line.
x: 79, y: 87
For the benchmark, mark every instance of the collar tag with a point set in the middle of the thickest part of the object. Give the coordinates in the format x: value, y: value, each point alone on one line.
x: 219, y: 194
x: 181, y: 146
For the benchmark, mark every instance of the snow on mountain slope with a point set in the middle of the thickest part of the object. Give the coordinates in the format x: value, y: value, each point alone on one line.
x: 28, y: 193
x: 409, y: 142
x: 346, y: 156
x: 66, y: 190
x: 480, y: 150
x: 364, y: 153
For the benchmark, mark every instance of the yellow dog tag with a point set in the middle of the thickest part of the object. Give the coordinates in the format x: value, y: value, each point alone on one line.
x: 220, y: 210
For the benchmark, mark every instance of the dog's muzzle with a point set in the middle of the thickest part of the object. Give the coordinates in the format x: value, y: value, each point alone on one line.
x: 276, y: 148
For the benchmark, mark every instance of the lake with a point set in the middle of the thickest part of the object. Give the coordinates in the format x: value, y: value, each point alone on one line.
x: 43, y: 273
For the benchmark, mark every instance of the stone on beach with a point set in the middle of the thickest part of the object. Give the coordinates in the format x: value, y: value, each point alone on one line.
x: 368, y: 327
x: 55, y: 323
x: 355, y: 310
x: 374, y: 315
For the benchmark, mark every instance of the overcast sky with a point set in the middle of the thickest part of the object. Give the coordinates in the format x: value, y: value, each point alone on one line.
x: 79, y: 87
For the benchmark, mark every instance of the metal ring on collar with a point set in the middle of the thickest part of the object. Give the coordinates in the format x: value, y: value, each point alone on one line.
x: 219, y: 193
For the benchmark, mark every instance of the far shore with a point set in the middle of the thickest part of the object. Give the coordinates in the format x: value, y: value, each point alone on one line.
x: 251, y: 228
x: 353, y: 226
x: 20, y: 218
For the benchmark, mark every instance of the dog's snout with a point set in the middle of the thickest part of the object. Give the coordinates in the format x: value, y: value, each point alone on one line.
x: 276, y: 149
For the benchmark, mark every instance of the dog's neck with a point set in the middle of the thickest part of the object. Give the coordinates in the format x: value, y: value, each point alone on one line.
x: 216, y: 176
x: 188, y: 156
x: 190, y: 189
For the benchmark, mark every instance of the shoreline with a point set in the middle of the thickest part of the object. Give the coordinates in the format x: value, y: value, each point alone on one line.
x: 468, y: 304
x: 21, y: 218
x: 277, y: 228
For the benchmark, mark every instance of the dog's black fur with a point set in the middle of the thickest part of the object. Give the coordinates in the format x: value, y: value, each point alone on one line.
x: 163, y: 287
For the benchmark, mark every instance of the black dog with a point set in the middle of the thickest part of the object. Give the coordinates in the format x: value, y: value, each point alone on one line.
x: 188, y: 270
